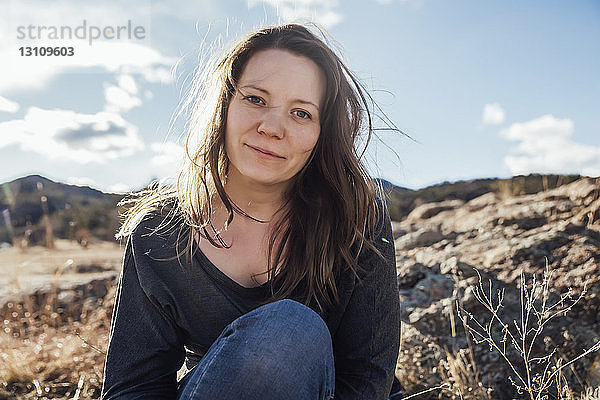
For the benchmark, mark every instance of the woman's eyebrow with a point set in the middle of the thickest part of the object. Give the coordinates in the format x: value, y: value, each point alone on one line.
x: 256, y: 88
x: 265, y: 91
x: 307, y: 102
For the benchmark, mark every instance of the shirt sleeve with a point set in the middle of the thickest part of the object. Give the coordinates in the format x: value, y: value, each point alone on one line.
x: 367, y: 341
x: 144, y: 351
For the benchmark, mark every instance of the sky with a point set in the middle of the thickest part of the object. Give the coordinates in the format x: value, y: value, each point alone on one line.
x: 479, y: 88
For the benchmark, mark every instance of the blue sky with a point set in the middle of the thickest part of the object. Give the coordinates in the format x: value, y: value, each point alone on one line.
x: 485, y: 89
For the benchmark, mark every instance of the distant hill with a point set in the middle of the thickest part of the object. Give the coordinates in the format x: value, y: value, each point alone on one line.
x: 402, y: 201
x: 387, y: 185
x: 80, y: 210
x: 74, y: 210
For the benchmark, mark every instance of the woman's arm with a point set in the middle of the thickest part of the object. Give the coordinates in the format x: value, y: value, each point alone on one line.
x: 144, y: 351
x: 367, y: 341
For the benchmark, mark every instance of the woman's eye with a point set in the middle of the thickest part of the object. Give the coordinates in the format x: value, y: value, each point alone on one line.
x: 254, y: 99
x: 302, y: 114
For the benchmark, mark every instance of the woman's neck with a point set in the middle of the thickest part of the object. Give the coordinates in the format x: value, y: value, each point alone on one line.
x: 260, y: 202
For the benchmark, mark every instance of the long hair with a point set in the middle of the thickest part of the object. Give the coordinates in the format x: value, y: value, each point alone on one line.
x: 331, y: 204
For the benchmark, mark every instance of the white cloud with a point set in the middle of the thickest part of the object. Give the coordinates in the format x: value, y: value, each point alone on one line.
x: 127, y: 83
x: 8, y: 106
x: 157, y: 74
x: 323, y: 12
x: 119, y: 188
x: 122, y: 98
x: 71, y: 136
x: 545, y: 146
x: 119, y: 100
x: 493, y: 114
x: 414, y: 3
x: 167, y: 153
x: 185, y: 9
x: 81, y: 181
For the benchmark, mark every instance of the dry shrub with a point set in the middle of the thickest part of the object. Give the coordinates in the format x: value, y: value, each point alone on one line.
x: 51, y: 349
x: 591, y: 394
x: 459, y: 371
x: 535, y: 375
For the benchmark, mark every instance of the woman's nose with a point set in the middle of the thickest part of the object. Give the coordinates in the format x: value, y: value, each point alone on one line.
x: 271, y: 123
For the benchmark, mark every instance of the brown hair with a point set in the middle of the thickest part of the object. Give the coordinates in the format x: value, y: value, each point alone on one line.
x: 331, y: 205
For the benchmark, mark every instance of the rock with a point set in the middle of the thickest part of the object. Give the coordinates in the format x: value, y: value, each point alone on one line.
x: 67, y: 297
x: 482, y: 201
x: 453, y: 266
x: 429, y: 210
x: 436, y: 286
x: 92, y: 267
x: 419, y: 238
x: 589, y: 215
x: 424, y: 298
x: 409, y: 273
x: 440, y: 247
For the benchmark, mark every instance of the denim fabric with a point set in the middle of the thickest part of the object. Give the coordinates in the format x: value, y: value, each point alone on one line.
x: 281, y: 350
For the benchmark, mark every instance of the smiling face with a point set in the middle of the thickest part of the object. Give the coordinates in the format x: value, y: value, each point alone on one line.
x: 273, y: 117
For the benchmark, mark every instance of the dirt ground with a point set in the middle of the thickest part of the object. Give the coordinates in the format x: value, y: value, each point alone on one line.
x: 25, y: 271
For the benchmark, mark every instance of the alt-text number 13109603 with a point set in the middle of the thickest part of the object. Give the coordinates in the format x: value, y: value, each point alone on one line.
x: 46, y: 51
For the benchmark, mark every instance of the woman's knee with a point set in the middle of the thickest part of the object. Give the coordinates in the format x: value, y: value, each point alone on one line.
x: 283, y: 347
x: 294, y: 349
x: 290, y: 324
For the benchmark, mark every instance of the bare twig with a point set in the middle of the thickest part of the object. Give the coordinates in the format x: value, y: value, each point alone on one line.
x: 536, y: 312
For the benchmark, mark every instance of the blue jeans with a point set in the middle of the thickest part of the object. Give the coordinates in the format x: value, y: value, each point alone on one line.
x: 281, y: 350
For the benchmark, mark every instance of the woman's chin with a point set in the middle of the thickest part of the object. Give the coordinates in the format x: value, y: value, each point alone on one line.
x: 259, y: 178
x: 259, y: 175
x: 268, y: 181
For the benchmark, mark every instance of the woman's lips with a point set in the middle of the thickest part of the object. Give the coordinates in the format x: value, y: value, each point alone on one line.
x: 264, y: 152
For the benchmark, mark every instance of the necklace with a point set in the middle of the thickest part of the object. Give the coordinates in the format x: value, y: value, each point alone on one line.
x: 217, y: 236
x: 238, y: 210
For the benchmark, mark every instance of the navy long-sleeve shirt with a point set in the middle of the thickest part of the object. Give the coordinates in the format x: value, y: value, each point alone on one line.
x: 168, y: 311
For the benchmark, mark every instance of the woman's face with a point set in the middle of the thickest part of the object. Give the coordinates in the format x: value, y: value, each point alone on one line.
x: 273, y: 117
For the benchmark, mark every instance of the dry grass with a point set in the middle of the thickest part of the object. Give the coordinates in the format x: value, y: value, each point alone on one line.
x: 591, y: 394
x: 459, y: 371
x: 52, y: 351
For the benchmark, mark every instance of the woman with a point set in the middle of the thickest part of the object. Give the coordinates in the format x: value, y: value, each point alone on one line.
x: 269, y: 267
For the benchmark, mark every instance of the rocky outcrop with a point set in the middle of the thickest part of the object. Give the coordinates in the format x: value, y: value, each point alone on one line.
x: 445, y: 249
